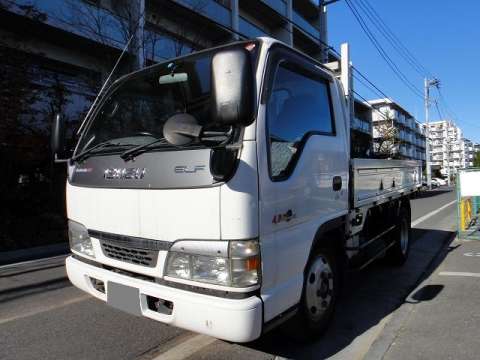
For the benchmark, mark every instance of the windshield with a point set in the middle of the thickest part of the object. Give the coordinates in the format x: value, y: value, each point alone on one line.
x: 135, y: 112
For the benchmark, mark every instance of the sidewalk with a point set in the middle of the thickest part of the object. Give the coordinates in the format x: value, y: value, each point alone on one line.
x: 440, y: 318
x: 38, y: 252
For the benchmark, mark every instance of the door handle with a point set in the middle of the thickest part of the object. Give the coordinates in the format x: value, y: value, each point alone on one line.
x: 289, y: 215
x: 337, y: 183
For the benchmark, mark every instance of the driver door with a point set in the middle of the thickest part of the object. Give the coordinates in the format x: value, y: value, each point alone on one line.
x: 301, y: 156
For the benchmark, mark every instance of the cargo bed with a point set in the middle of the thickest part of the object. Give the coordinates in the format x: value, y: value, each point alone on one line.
x: 378, y: 180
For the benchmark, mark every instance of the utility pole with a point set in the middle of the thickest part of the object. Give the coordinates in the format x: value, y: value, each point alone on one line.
x: 428, y: 83
x: 347, y: 81
x: 323, y: 31
x: 449, y: 148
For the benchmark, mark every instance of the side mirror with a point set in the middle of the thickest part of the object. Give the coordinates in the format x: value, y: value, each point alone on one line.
x: 232, y: 87
x: 58, y: 139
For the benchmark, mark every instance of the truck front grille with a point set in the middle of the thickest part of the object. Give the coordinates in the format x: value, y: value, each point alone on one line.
x: 129, y: 254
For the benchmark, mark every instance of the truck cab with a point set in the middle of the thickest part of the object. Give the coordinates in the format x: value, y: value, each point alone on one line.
x: 212, y: 192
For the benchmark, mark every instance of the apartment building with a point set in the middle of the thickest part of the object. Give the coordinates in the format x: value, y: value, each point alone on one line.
x: 66, y: 48
x: 396, y: 133
x: 469, y: 152
x: 449, y: 150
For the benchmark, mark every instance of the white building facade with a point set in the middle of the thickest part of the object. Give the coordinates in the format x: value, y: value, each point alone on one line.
x: 449, y: 150
x: 409, y: 139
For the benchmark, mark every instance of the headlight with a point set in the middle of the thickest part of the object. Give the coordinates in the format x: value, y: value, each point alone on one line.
x: 227, y: 263
x: 79, y: 239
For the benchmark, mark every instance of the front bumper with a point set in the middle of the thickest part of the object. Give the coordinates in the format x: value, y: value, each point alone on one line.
x: 237, y: 320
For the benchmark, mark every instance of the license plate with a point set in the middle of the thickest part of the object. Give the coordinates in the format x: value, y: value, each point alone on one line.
x: 125, y: 298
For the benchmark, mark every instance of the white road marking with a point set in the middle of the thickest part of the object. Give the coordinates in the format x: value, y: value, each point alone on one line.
x: 45, y: 309
x: 458, y: 273
x: 472, y: 254
x: 186, y: 348
x: 430, y: 214
x: 4, y: 267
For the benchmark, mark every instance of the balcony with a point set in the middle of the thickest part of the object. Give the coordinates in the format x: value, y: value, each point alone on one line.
x: 279, y: 6
x: 62, y: 16
x: 362, y: 125
x: 304, y: 25
x: 249, y: 29
x: 411, y: 123
x: 211, y: 9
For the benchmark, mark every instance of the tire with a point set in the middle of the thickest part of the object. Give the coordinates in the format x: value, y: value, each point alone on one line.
x: 402, y: 235
x: 319, y: 296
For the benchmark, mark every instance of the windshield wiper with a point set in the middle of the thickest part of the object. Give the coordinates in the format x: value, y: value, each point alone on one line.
x: 131, y: 153
x: 89, y: 151
x: 214, y: 136
x: 161, y: 143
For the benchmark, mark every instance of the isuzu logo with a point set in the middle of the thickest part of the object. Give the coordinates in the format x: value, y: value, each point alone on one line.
x: 125, y: 173
x: 183, y: 169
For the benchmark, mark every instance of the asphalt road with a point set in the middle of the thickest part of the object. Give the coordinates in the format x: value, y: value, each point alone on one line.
x: 43, y: 317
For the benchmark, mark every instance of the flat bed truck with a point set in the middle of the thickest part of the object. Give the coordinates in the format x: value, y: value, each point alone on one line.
x: 215, y: 192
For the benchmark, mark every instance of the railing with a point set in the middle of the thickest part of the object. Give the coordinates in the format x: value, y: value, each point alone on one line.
x: 249, y: 29
x: 210, y: 9
x: 362, y: 125
x: 302, y: 23
x: 278, y: 5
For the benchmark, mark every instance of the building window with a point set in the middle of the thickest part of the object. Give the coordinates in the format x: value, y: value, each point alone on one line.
x: 33, y: 89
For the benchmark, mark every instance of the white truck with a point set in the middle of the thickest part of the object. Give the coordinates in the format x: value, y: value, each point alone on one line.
x: 215, y: 192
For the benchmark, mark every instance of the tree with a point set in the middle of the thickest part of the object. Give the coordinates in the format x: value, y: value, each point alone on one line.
x: 476, y: 159
x: 386, y: 144
x: 113, y: 23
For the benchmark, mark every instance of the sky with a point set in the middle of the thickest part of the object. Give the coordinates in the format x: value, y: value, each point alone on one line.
x: 444, y: 36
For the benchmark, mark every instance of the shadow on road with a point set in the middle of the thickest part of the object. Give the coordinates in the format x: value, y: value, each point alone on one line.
x: 368, y: 296
x: 35, y: 288
x: 435, y: 192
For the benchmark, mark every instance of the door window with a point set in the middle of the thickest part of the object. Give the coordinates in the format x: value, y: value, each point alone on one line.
x: 299, y: 106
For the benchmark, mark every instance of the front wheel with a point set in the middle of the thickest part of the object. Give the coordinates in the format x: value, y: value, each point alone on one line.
x: 319, y: 296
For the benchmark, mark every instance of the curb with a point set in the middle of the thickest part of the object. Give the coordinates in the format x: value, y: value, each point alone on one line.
x: 38, y: 252
x: 381, y: 345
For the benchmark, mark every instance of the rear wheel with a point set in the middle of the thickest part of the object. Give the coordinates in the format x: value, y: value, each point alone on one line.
x: 398, y: 253
x: 319, y: 296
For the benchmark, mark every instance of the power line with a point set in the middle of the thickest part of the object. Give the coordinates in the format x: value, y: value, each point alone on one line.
x: 440, y: 117
x: 394, y: 41
x: 453, y: 115
x: 447, y: 108
x: 396, y: 70
x: 384, y: 116
x: 393, y: 66
x: 370, y: 84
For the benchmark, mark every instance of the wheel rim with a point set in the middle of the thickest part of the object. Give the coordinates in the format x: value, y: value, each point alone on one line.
x: 319, y: 288
x: 404, y: 237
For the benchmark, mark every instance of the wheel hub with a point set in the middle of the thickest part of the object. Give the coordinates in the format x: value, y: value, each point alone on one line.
x: 319, y: 288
